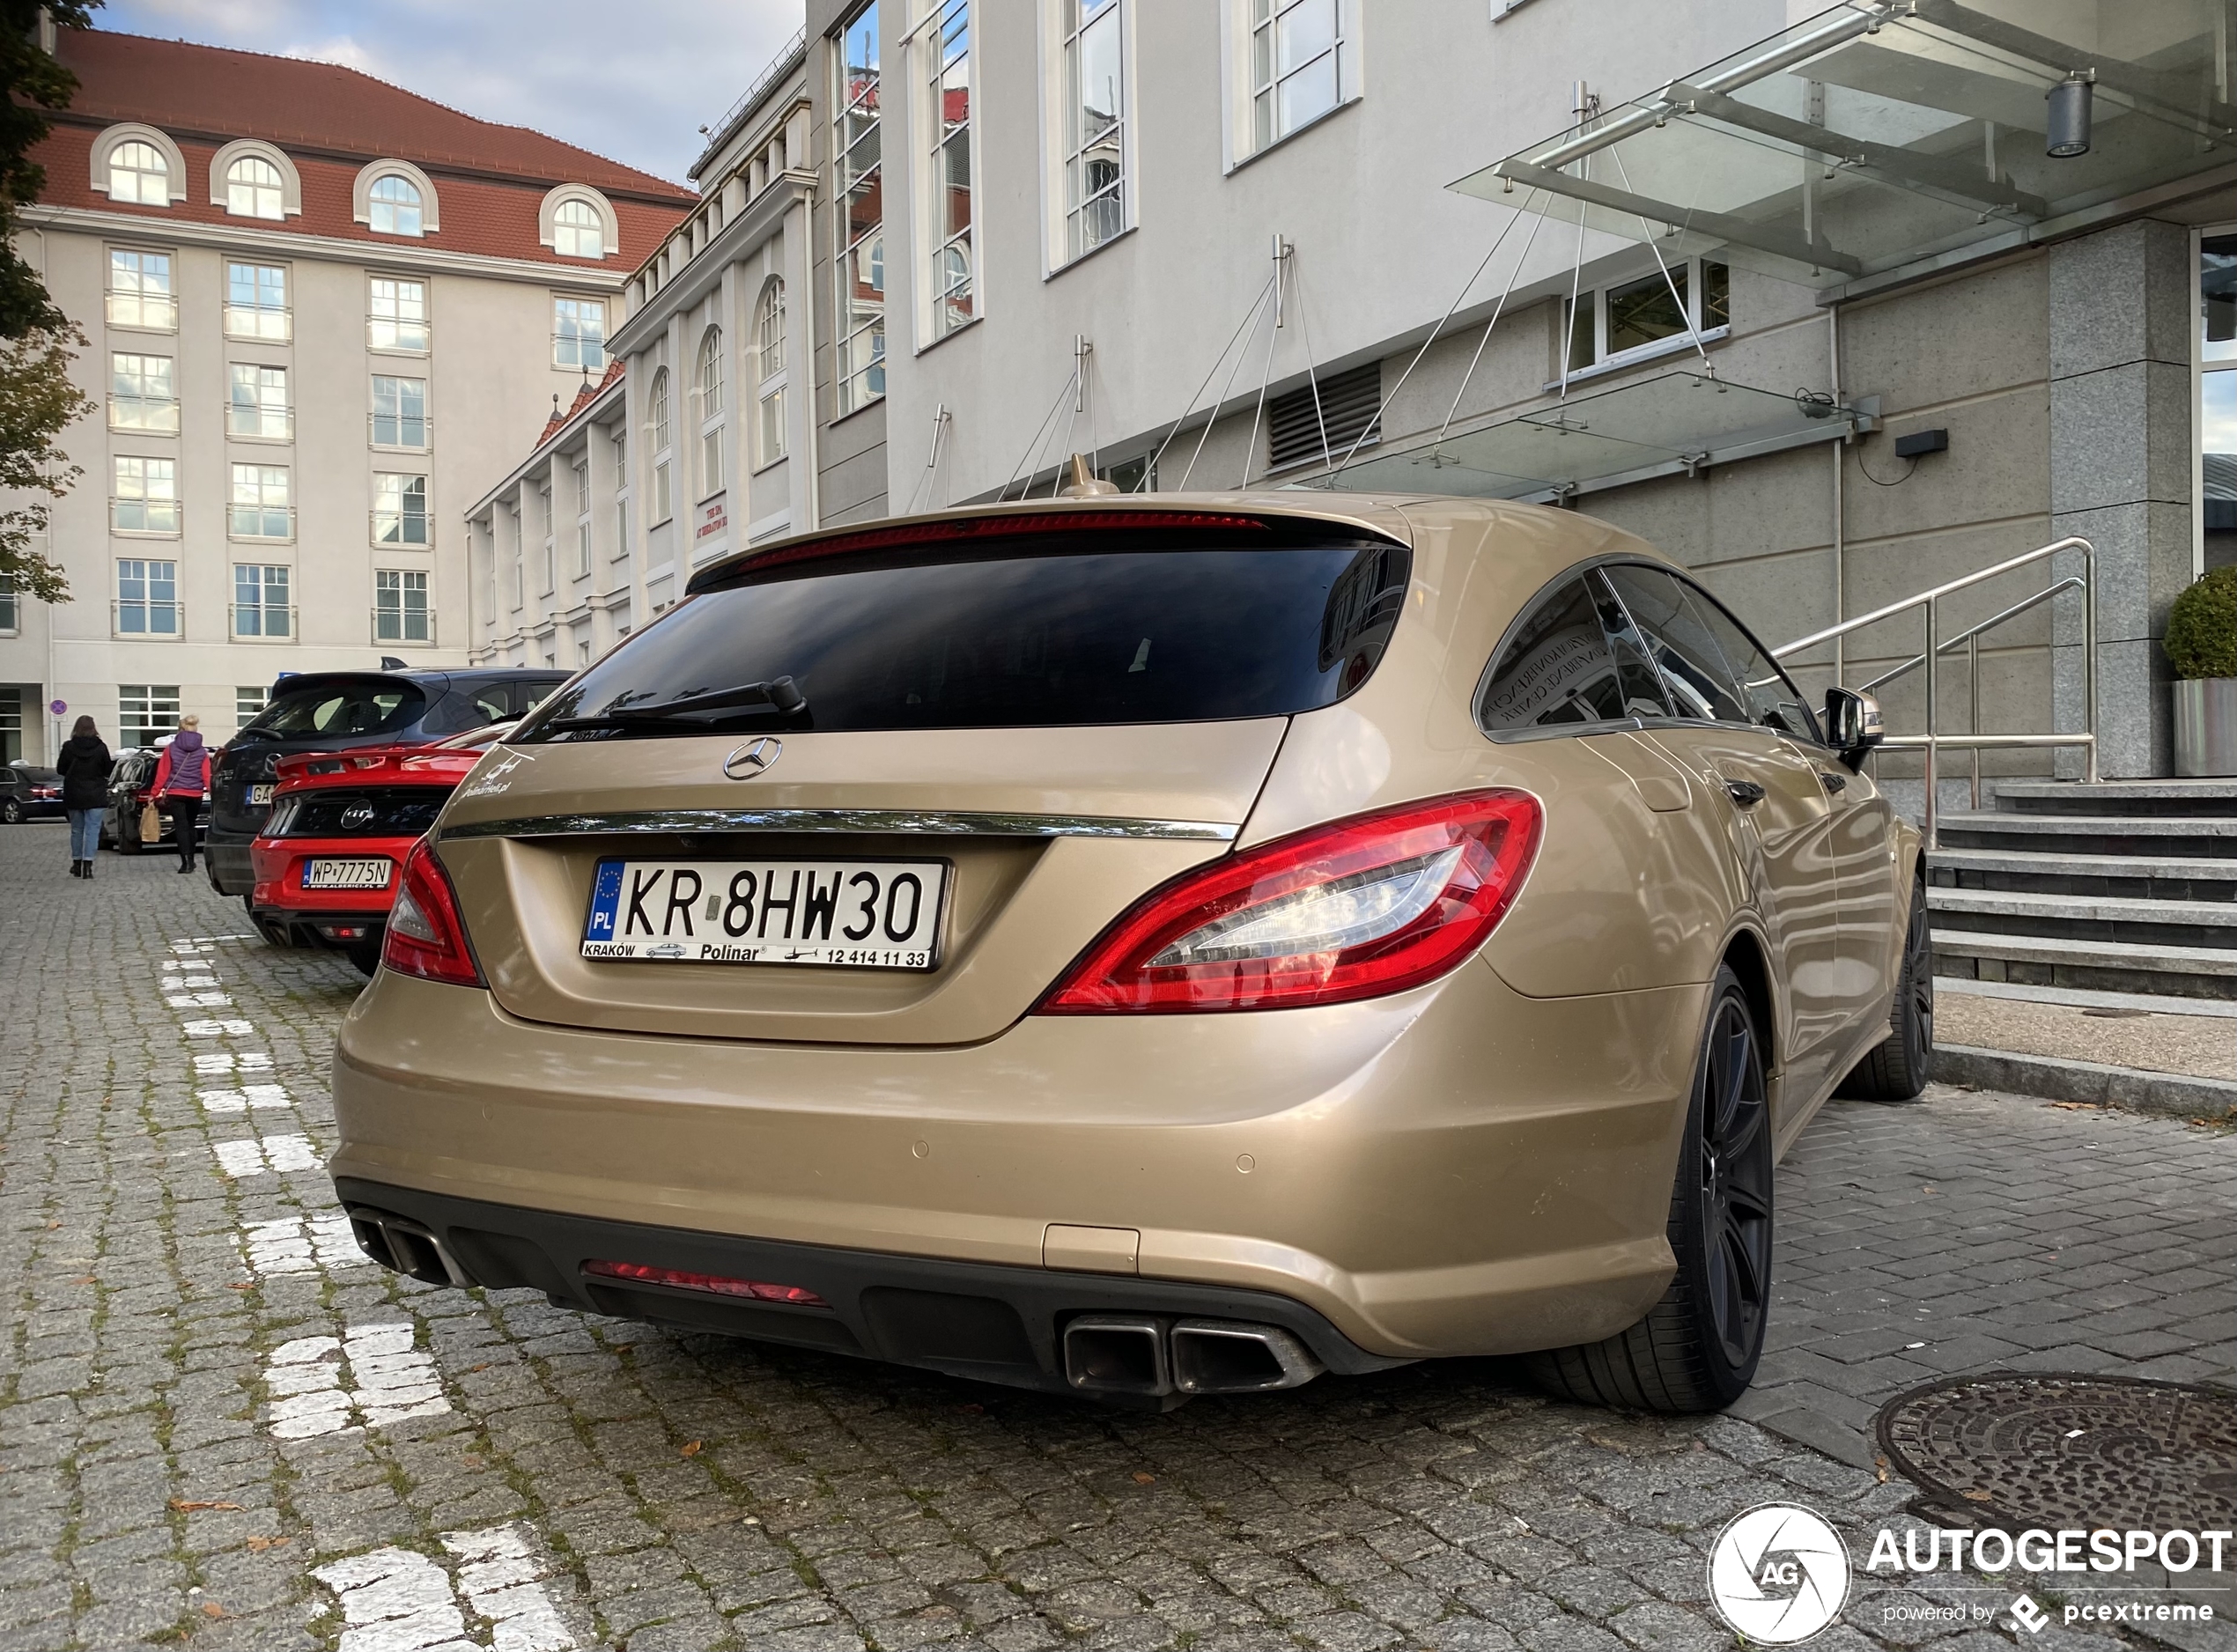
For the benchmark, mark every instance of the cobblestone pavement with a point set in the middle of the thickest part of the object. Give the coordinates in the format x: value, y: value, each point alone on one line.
x: 219, y: 1425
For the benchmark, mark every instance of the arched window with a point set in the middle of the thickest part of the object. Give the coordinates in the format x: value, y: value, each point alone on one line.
x: 254, y: 189
x: 394, y: 206
x: 711, y: 373
x: 711, y: 413
x: 663, y: 492
x: 138, y: 174
x: 768, y: 346
x: 578, y: 230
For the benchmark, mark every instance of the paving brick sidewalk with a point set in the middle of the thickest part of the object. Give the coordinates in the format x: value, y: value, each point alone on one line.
x: 219, y: 1426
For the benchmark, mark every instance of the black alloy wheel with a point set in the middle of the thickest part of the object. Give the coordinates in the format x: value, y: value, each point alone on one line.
x: 1735, y: 1177
x: 1697, y: 1348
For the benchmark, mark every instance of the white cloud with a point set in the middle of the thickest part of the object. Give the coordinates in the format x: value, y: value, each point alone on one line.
x: 635, y: 86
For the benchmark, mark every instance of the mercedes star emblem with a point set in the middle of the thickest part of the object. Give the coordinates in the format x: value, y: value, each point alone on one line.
x: 754, y: 757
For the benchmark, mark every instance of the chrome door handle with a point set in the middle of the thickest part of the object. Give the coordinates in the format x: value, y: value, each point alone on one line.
x: 1746, y: 793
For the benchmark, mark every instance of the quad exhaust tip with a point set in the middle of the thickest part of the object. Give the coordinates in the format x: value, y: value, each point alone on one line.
x: 1141, y: 1355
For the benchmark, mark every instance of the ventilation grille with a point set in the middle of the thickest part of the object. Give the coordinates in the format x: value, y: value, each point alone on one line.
x: 1350, y: 404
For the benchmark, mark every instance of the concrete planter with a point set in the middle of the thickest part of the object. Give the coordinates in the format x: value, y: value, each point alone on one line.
x: 2205, y: 726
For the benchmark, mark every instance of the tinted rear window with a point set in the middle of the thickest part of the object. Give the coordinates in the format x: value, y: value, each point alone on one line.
x: 373, y: 705
x: 1112, y: 626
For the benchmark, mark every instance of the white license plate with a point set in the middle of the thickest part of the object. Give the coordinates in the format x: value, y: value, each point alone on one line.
x: 259, y: 796
x: 346, y: 874
x: 851, y: 914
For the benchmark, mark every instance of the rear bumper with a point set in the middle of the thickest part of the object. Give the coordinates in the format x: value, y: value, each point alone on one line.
x: 227, y: 853
x: 991, y: 1324
x: 277, y: 896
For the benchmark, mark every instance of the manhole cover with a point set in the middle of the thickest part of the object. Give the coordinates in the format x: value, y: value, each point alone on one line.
x: 2066, y: 1450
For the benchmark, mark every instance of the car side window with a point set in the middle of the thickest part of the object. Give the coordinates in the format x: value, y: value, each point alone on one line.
x: 1773, y: 701
x: 1571, y: 659
x: 1715, y: 670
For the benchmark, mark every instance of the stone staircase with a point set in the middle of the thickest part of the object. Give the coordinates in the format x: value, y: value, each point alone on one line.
x: 2129, y: 886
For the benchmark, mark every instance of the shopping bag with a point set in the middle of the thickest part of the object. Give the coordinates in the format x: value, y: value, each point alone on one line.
x: 151, y: 824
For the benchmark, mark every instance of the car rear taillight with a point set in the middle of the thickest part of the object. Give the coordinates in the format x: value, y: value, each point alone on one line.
x: 425, y: 937
x: 1373, y: 905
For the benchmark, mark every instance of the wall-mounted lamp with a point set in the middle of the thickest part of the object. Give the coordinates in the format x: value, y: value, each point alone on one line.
x: 2067, y: 131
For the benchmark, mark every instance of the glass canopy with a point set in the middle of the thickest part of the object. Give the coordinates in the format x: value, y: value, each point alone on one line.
x: 1879, y: 138
x: 1674, y: 422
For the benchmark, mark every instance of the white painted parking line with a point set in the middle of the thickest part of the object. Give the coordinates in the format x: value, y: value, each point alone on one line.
x: 300, y: 1244
x: 398, y: 1600
x: 387, y: 1380
x: 217, y: 1029
x: 199, y: 1000
x: 503, y: 1582
x: 252, y: 1157
x: 241, y: 1100
x: 250, y: 1062
x: 394, y: 1600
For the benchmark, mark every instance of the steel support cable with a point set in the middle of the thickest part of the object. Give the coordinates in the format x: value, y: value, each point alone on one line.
x: 1459, y: 297
x: 1312, y: 377
x: 1033, y: 447
x: 1577, y: 277
x: 1150, y: 469
x: 1265, y: 373
x: 1537, y: 222
x: 1668, y: 280
x: 1212, y: 413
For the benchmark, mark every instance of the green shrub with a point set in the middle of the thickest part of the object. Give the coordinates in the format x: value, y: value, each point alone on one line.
x: 2202, y: 628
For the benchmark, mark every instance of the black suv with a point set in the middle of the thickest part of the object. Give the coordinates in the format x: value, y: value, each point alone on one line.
x: 332, y: 710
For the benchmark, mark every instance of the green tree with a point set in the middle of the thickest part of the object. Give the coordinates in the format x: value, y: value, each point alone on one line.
x: 38, y: 402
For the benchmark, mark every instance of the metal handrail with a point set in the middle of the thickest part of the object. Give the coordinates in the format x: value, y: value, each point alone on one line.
x: 1928, y: 603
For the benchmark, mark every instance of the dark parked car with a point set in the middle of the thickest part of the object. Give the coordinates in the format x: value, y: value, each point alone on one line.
x: 29, y: 794
x: 127, y: 790
x: 334, y: 711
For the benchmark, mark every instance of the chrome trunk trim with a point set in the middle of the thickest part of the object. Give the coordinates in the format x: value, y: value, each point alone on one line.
x: 929, y: 822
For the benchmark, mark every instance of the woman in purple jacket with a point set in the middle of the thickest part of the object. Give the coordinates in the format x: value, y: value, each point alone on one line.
x: 181, y: 776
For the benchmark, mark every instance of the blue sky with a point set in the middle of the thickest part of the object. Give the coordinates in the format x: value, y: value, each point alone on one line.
x: 632, y: 80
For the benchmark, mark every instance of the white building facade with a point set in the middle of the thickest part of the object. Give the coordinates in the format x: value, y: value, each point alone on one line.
x: 310, y: 346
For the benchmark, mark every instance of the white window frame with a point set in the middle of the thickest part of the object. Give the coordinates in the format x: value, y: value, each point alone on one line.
x: 165, y: 183
x: 398, y: 514
x: 402, y: 421
x: 389, y: 333
x: 267, y: 323
x: 257, y: 408
x: 151, y: 707
x: 158, y: 415
x: 849, y: 396
x: 1237, y: 48
x: 130, y: 301
x: 173, y: 611
x: 399, y: 582
x: 253, y: 489
x: 567, y: 332
x: 1676, y: 343
x: 568, y: 231
x: 582, y: 516
x: 1059, y: 150
x: 772, y: 440
x: 933, y: 53
x: 264, y: 584
x: 131, y: 483
x: 710, y: 393
x: 258, y: 193
x: 380, y: 206
x: 658, y: 441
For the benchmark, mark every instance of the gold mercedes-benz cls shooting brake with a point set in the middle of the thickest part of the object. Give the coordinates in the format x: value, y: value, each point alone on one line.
x: 1152, y: 946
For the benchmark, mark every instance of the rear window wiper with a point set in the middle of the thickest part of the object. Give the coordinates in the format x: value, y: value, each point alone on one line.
x: 780, y: 695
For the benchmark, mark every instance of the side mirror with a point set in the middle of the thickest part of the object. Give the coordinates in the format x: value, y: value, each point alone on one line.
x: 1853, y: 725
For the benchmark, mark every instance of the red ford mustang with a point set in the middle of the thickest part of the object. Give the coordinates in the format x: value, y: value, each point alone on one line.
x: 342, y: 821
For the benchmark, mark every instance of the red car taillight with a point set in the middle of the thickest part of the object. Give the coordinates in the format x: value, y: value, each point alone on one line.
x: 1374, y: 904
x: 425, y: 937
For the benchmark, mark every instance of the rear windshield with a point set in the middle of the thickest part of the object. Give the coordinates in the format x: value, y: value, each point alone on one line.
x: 1108, y: 626
x: 369, y: 705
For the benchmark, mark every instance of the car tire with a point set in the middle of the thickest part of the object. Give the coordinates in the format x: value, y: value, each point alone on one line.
x: 366, y: 956
x: 11, y: 813
x: 1697, y: 1348
x: 1897, y: 1069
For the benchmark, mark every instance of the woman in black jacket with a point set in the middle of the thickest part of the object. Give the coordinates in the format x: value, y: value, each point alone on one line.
x: 83, y: 764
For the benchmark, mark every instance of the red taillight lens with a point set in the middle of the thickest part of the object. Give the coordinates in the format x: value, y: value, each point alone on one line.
x: 425, y: 937
x: 713, y: 1284
x: 1374, y: 904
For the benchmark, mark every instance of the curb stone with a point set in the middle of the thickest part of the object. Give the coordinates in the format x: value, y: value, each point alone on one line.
x: 2169, y: 1094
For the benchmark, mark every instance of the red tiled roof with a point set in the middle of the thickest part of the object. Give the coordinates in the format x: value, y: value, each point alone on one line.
x: 213, y: 90
x: 490, y: 180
